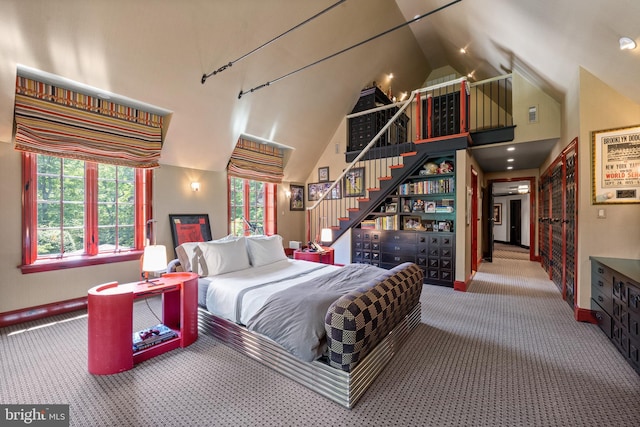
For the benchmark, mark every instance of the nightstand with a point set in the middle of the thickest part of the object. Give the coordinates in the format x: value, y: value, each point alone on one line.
x: 110, y: 320
x: 307, y: 255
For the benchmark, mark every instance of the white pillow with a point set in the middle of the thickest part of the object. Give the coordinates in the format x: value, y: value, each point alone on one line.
x: 265, y: 250
x: 188, y: 255
x: 224, y: 256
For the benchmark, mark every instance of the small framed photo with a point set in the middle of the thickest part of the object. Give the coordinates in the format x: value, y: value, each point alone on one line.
x: 412, y: 223
x: 296, y: 202
x: 497, y: 214
x: 391, y: 208
x: 323, y: 174
x: 430, y: 206
x: 444, y: 226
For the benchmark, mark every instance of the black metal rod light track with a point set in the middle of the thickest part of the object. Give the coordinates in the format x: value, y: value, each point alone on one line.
x: 390, y: 30
x: 306, y: 21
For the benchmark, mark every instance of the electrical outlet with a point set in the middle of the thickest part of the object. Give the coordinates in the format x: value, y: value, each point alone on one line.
x: 602, y: 213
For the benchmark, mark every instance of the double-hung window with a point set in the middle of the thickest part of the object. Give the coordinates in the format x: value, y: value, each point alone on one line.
x: 80, y: 213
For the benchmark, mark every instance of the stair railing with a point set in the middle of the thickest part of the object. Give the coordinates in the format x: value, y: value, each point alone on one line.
x: 368, y: 168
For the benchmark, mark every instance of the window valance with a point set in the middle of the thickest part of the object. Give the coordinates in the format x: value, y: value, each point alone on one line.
x: 257, y: 161
x: 60, y: 122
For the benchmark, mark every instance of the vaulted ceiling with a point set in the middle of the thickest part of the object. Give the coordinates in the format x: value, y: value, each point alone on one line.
x: 157, y: 51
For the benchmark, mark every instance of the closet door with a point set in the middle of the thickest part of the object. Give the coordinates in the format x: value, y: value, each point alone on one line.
x: 543, y: 220
x: 570, y: 223
x: 557, y: 246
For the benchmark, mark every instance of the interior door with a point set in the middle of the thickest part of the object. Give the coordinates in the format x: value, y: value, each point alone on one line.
x: 487, y: 224
x: 515, y: 222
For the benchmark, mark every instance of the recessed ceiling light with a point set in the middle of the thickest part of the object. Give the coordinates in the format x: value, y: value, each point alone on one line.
x: 511, y: 148
x: 463, y: 50
x: 626, y: 43
x: 509, y: 160
x: 509, y: 167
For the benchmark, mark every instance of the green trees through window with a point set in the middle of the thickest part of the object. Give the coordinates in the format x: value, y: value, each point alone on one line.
x: 64, y: 199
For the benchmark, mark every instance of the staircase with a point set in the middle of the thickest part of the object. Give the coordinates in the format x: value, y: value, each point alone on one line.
x: 377, y: 171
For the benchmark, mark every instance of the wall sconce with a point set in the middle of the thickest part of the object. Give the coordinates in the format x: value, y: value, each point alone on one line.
x: 287, y: 194
x: 195, y: 186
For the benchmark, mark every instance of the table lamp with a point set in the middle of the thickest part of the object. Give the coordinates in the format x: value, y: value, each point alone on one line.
x: 154, y: 259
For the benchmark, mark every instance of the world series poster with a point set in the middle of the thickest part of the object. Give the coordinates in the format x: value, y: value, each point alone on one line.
x: 616, y: 166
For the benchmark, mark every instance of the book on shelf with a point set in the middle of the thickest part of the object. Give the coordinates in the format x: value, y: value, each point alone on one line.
x: 151, y: 336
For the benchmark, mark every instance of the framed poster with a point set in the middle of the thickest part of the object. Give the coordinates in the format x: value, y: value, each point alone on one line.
x: 497, y: 214
x: 296, y: 202
x: 354, y: 183
x: 317, y: 189
x: 615, y: 161
x: 189, y: 228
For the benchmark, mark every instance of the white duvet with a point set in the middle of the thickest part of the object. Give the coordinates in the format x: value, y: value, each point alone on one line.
x: 255, y: 285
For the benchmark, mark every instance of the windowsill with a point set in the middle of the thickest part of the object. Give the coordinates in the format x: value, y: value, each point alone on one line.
x: 60, y: 264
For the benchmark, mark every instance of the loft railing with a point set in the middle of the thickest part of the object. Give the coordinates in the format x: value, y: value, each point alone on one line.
x: 429, y: 114
x: 491, y: 103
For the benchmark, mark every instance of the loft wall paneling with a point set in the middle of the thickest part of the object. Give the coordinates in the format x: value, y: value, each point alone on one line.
x: 558, y: 219
x: 615, y: 301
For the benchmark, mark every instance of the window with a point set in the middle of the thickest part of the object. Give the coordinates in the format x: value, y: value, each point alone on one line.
x: 80, y: 213
x: 252, y: 207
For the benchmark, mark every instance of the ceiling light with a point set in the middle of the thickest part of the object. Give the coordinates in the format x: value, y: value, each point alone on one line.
x: 509, y: 160
x: 390, y: 76
x: 463, y: 50
x: 511, y: 148
x: 627, y: 44
x: 509, y: 167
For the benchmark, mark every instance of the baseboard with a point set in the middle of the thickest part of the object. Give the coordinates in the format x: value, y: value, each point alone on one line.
x: 585, y: 315
x: 460, y: 286
x: 41, y: 311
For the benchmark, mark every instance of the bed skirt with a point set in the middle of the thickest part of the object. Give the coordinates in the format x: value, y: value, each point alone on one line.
x: 342, y: 387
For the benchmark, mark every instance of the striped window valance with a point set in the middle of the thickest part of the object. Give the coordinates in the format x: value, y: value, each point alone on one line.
x: 256, y: 161
x: 63, y: 123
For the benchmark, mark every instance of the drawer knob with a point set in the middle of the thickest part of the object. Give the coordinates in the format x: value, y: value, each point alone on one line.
x: 600, y: 283
x: 600, y: 270
x: 600, y: 298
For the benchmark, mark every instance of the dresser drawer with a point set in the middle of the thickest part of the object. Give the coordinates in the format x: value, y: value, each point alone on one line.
x: 603, y: 299
x: 400, y: 237
x: 601, y: 277
x: 603, y: 318
x: 398, y: 248
x: 396, y: 259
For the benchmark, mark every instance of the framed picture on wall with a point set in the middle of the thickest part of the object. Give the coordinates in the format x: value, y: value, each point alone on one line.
x: 323, y: 174
x: 189, y: 228
x: 497, y: 214
x: 614, y: 166
x: 296, y: 202
x: 354, y: 183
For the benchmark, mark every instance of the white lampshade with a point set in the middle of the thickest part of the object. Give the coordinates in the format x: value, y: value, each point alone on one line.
x: 154, y: 258
x: 326, y: 235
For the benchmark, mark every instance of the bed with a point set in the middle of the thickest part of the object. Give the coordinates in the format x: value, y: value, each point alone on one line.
x: 330, y: 328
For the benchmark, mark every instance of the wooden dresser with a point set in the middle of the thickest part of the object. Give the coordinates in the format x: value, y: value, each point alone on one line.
x: 615, y: 300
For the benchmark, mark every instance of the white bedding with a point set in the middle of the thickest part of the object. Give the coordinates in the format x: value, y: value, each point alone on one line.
x: 257, y: 284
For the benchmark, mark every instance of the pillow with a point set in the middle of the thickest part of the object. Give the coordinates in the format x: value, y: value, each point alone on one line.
x: 224, y: 256
x: 265, y: 250
x: 188, y: 254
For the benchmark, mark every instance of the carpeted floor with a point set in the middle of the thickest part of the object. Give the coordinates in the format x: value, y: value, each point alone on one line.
x: 505, y: 353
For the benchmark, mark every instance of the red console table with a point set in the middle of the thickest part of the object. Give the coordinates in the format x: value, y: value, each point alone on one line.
x: 110, y: 320
x: 307, y: 255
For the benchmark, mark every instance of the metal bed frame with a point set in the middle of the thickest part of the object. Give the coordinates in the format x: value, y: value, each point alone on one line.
x: 342, y: 387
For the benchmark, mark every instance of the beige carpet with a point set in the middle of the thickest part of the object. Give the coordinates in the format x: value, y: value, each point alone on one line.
x: 506, y: 353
